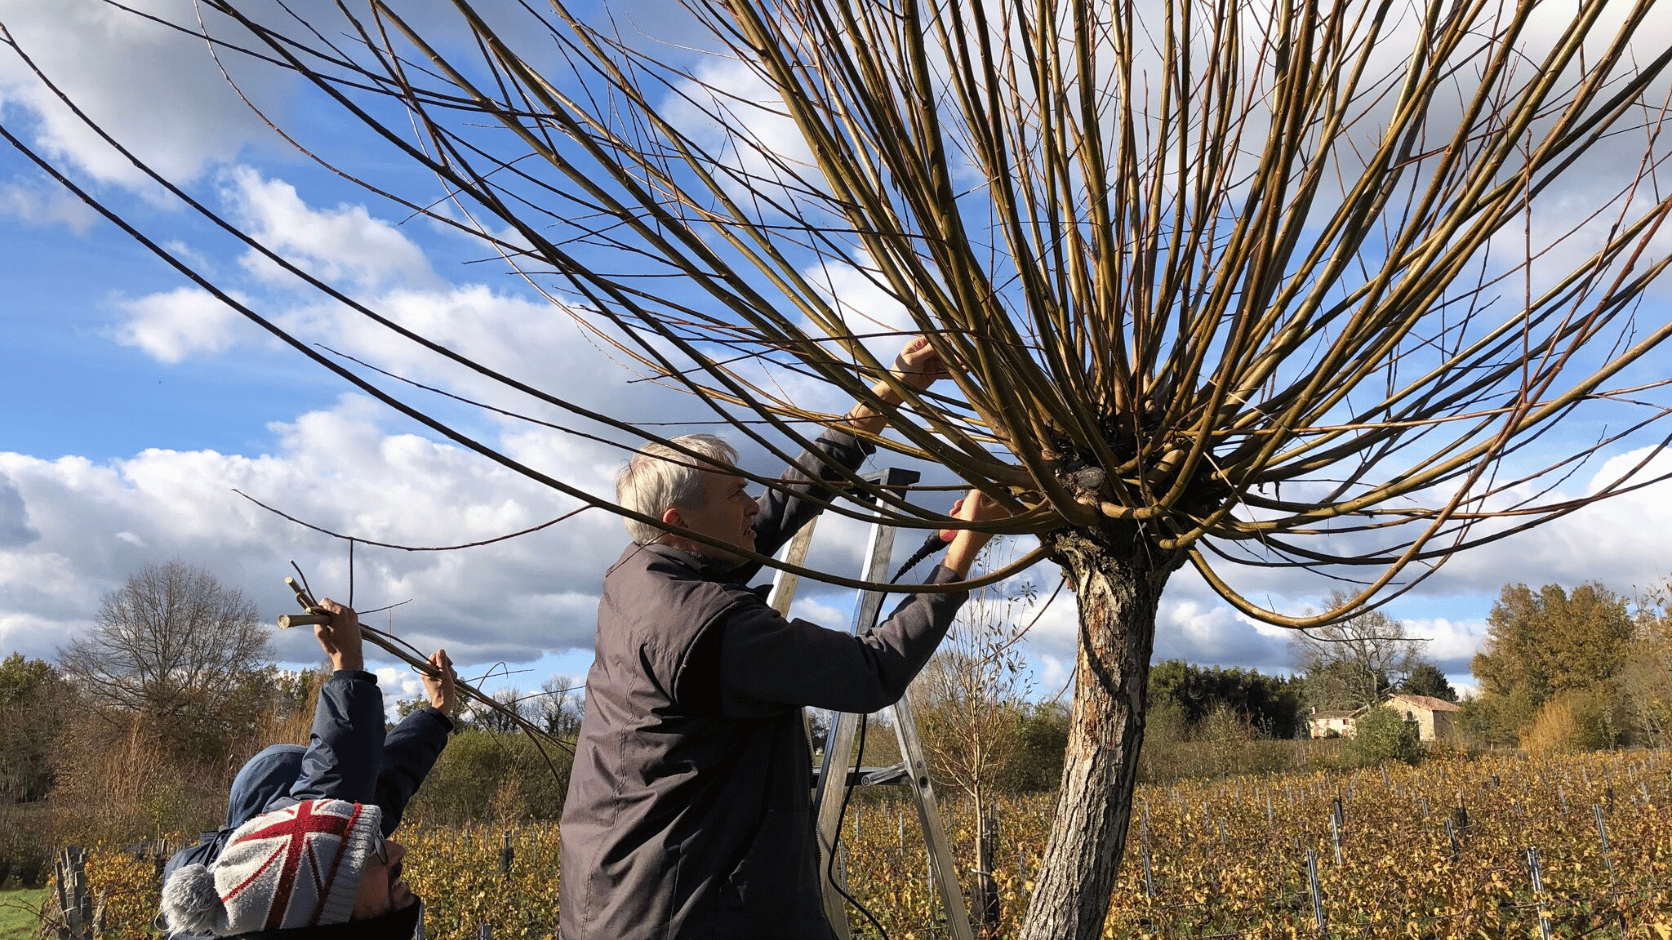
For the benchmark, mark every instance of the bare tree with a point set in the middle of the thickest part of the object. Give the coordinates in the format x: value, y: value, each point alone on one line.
x: 171, y: 645
x: 969, y: 702
x: 1229, y: 285
x: 509, y: 707
x: 1354, y: 662
x: 968, y: 699
x: 558, y: 707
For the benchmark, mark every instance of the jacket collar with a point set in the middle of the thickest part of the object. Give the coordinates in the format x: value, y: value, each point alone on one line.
x: 708, y: 569
x: 711, y: 569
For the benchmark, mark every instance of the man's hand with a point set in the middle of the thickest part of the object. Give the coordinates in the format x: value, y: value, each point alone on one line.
x: 341, y: 637
x: 919, y: 366
x: 976, y: 507
x: 439, y: 682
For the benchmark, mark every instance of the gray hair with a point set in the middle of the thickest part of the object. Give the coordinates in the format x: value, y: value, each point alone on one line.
x: 660, y: 477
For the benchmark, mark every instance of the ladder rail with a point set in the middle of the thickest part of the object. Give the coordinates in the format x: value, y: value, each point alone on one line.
x: 843, y: 733
x: 784, y: 582
x: 928, y: 814
x: 840, y: 739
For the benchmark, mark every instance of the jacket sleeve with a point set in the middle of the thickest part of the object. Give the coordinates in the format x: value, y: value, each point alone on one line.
x: 345, y: 748
x: 768, y: 662
x: 408, y: 754
x: 785, y: 508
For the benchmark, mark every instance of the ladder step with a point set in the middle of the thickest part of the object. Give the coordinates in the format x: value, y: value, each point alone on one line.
x: 896, y: 774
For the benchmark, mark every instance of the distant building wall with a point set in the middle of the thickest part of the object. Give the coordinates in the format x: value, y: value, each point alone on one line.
x: 1432, y: 715
x: 1327, y: 724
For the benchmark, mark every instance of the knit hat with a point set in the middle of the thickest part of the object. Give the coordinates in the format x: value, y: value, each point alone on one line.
x: 295, y: 867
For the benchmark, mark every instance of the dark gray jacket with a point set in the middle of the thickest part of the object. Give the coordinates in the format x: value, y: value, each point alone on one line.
x: 689, y: 808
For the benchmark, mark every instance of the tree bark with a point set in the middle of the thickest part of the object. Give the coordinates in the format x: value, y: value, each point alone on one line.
x: 1118, y: 580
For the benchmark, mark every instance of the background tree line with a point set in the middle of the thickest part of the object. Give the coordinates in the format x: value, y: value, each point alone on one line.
x: 1576, y: 669
x: 136, y: 730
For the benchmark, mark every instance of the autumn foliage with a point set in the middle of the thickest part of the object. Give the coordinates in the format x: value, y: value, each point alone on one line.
x: 1435, y: 851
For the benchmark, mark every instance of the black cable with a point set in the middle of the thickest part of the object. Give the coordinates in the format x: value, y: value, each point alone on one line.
x: 931, y: 544
x: 836, y: 841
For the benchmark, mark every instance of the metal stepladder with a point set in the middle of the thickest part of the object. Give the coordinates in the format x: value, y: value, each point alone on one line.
x: 840, y: 740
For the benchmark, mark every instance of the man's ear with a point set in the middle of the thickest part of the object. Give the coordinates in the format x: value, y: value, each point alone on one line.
x: 671, y: 516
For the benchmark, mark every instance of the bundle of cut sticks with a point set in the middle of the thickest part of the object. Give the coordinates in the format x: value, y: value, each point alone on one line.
x: 406, y: 653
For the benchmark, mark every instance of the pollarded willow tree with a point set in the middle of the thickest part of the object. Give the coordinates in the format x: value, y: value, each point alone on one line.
x: 1232, y: 284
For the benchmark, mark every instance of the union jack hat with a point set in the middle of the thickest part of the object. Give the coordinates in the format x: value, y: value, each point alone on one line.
x: 295, y: 867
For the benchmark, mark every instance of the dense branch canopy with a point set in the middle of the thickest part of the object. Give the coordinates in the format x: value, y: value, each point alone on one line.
x: 1266, y: 283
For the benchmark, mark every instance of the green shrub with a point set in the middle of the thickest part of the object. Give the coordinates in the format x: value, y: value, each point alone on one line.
x: 498, y: 775
x: 1044, y: 739
x: 1382, y: 734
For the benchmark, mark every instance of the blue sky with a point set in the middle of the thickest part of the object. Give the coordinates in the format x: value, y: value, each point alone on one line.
x: 131, y: 408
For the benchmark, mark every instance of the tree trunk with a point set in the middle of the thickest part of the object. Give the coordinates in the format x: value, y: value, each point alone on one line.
x: 1117, y: 579
x: 984, y: 911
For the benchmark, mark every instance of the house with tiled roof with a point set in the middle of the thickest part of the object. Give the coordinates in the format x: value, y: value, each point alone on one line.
x: 1433, y: 717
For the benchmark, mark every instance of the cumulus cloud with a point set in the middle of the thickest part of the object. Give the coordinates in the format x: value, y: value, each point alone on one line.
x: 172, y: 325
x: 1606, y: 540
x: 79, y: 529
x: 94, y: 525
x: 37, y: 205
x: 344, y: 245
x: 1452, y: 644
x: 825, y: 615
x: 149, y: 86
x: 728, y: 108
x: 14, y: 526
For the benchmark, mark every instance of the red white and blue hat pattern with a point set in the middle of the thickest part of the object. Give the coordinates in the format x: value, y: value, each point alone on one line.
x: 295, y: 867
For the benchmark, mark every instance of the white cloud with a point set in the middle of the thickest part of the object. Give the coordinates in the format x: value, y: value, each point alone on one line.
x: 151, y: 87
x: 38, y: 205
x: 1613, y: 540
x: 1055, y: 674
x: 729, y: 109
x: 94, y: 525
x: 825, y: 615
x: 344, y: 245
x: 1451, y: 643
x: 175, y: 324
x: 399, y: 683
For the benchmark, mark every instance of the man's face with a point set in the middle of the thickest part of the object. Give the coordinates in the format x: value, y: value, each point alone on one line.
x: 382, y: 889
x: 727, y: 515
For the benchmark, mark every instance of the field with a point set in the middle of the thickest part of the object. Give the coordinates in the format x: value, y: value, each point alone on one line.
x: 1435, y: 851
x: 19, y: 912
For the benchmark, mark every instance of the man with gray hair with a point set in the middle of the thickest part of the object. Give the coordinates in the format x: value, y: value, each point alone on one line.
x: 689, y: 811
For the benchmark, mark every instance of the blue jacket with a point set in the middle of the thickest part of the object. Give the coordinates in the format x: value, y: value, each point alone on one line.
x: 348, y: 757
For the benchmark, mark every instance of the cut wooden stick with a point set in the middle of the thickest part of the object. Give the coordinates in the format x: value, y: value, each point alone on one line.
x: 406, y: 653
